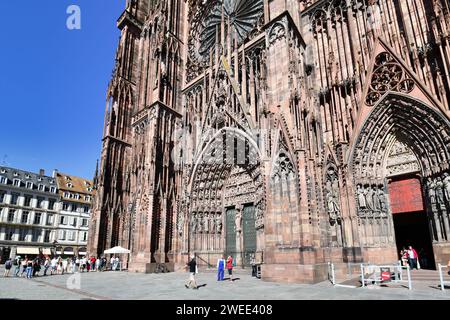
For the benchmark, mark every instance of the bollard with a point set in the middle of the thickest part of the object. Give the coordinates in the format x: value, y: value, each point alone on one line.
x: 441, y: 278
x: 332, y: 274
x: 409, y: 278
x: 362, y: 275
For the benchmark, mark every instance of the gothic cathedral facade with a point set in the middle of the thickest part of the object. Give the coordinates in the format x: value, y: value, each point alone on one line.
x: 293, y: 132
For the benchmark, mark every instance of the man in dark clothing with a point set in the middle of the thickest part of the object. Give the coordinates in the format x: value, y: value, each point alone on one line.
x: 192, y: 265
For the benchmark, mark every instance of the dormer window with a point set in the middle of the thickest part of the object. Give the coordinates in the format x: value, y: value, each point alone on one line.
x: 29, y: 185
x: 28, y: 176
x: 77, y: 197
x: 70, y: 185
x: 16, y: 183
x: 41, y: 187
x: 89, y: 189
x: 68, y: 178
x: 66, y: 195
x: 40, y: 179
x: 3, y: 171
x: 52, y: 189
x: 16, y: 174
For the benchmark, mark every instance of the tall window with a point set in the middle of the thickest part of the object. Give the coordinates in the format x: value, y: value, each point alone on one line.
x: 47, y: 236
x: 27, y: 202
x: 84, y: 236
x: 2, y: 196
x: 51, y: 204
x: 23, y: 234
x: 9, y: 233
x: 52, y: 189
x: 2, y: 180
x: 74, y: 207
x: 62, y: 235
x: 49, y: 220
x: 65, y: 206
x: 29, y: 185
x: 84, y: 223
x: 40, y: 202
x: 74, y: 222
x: 11, y: 215
x: 41, y: 187
x: 14, y: 198
x: 35, y: 236
x: 24, y: 217
x: 37, y: 218
x: 62, y: 220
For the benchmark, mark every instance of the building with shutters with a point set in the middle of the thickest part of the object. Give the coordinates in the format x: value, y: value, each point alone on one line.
x: 43, y: 215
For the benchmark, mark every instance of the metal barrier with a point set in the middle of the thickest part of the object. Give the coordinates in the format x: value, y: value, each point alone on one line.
x: 339, y: 277
x: 377, y: 276
x: 441, y: 277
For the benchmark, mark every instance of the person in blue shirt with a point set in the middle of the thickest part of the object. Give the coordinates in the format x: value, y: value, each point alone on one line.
x: 221, y: 268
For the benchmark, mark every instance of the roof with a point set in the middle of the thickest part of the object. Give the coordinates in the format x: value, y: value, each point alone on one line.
x: 27, y: 176
x: 74, y: 185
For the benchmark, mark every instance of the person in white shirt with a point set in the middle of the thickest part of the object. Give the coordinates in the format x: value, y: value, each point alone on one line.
x: 53, y: 266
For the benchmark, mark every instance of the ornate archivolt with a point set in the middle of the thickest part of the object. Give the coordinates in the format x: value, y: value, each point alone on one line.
x: 401, y: 135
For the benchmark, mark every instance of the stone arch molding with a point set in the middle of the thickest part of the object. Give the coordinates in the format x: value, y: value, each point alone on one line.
x: 426, y: 132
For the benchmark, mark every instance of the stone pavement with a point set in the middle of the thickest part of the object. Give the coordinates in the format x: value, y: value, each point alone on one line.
x: 134, y: 286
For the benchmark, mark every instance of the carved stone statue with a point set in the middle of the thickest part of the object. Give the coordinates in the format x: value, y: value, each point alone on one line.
x: 194, y: 223
x: 181, y: 224
x: 238, y: 220
x: 333, y: 207
x: 200, y: 223
x: 376, y: 199
x: 431, y: 191
x: 361, y: 197
x: 219, y: 223
x: 206, y: 222
x: 382, y: 200
x: 446, y: 182
x: 439, y: 187
x: 369, y: 198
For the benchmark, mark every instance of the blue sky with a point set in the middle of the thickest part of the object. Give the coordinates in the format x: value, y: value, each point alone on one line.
x: 53, y: 83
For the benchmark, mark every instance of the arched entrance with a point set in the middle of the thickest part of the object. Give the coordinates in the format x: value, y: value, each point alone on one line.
x: 401, y: 174
x: 226, y: 199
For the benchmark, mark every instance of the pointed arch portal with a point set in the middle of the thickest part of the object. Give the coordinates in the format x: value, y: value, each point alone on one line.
x: 226, y: 199
x: 400, y: 165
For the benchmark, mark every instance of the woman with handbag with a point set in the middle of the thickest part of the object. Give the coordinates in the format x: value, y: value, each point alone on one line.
x: 230, y: 267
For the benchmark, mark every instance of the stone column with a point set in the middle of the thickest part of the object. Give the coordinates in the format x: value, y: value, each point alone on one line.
x: 239, y: 236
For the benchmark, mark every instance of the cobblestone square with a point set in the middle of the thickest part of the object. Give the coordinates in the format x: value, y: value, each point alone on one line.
x: 170, y: 286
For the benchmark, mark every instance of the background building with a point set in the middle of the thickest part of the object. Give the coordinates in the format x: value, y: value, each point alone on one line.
x: 38, y: 218
x: 74, y: 212
x: 300, y: 131
x: 28, y: 213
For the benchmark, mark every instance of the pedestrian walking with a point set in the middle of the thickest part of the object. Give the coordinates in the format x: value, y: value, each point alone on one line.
x: 29, y: 269
x: 412, y: 258
x: 17, y: 263
x: 221, y: 268
x: 24, y: 266
x: 253, y: 263
x: 46, y: 265
x: 8, y: 266
x: 192, y: 266
x: 230, y: 267
x: 97, y: 264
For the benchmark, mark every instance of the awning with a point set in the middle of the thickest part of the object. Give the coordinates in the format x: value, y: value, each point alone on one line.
x: 27, y: 250
x: 46, y: 251
x: 69, y: 252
